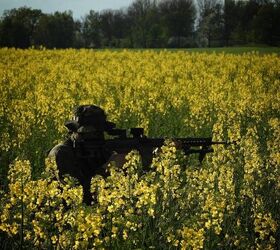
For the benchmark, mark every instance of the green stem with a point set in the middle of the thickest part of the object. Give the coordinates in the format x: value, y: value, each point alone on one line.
x: 22, y: 219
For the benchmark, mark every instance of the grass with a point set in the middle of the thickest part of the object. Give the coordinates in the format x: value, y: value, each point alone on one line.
x: 238, y: 50
x: 228, y: 50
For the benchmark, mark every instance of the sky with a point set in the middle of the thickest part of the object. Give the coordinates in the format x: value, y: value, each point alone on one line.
x: 79, y: 7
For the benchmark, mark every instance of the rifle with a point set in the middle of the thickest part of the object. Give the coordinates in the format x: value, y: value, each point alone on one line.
x: 123, y: 144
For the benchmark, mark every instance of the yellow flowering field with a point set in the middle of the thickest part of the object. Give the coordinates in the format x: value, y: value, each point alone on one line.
x: 230, y: 201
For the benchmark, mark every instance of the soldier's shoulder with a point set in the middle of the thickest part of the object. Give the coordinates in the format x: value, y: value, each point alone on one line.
x: 61, y: 148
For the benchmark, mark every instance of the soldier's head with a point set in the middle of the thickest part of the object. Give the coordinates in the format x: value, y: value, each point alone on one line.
x: 89, y: 122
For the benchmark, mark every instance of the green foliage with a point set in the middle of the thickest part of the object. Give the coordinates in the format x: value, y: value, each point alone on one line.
x: 229, y: 201
x: 147, y: 24
x: 172, y: 205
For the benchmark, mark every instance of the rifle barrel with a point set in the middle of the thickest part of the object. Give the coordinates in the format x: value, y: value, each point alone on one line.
x: 146, y: 146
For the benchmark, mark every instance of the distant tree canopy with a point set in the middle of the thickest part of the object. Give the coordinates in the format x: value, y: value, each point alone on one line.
x: 147, y: 24
x: 17, y: 27
x: 55, y: 30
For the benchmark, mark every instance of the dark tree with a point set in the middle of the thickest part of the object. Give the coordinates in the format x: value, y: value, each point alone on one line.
x: 79, y: 41
x: 110, y: 28
x: 275, y: 24
x: 263, y: 24
x: 248, y: 10
x: 91, y: 30
x: 178, y: 19
x: 141, y: 16
x: 120, y: 29
x: 55, y: 31
x: 148, y: 24
x: 210, y: 22
x: 106, y: 27
x: 17, y: 27
x: 231, y: 13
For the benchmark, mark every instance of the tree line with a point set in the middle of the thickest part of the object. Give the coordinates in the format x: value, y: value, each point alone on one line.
x: 147, y: 24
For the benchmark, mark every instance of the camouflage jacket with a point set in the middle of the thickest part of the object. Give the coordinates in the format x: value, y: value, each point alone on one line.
x: 69, y: 161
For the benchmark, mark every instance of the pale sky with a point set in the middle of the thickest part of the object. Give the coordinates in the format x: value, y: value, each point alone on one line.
x: 79, y: 7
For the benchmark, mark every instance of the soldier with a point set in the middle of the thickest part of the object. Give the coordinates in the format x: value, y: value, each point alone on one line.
x: 88, y: 126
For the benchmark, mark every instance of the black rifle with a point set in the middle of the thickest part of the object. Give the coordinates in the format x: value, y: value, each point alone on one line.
x: 122, y: 144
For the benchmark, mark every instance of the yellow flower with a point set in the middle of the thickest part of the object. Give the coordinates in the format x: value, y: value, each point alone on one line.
x: 170, y: 94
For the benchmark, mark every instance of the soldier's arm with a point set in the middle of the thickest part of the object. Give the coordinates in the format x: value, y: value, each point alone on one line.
x: 117, y: 159
x: 65, y: 160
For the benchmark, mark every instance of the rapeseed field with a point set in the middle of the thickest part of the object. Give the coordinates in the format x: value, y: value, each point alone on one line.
x: 229, y: 201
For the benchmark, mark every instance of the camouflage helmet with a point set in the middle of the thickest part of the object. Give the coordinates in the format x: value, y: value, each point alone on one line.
x: 88, y: 116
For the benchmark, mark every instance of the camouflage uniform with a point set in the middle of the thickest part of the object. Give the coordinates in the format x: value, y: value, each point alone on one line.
x: 89, y: 124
